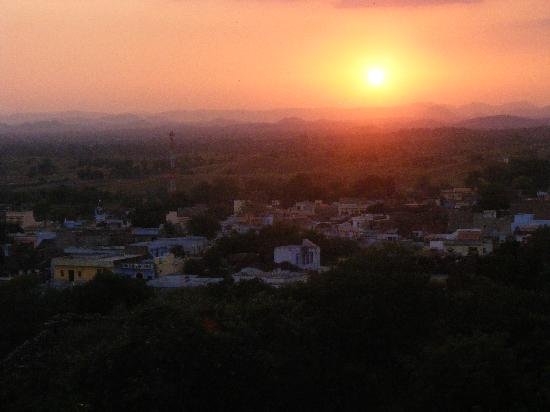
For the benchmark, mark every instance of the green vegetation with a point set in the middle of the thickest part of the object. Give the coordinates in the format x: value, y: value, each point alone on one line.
x: 500, y: 184
x: 376, y: 332
x: 204, y: 225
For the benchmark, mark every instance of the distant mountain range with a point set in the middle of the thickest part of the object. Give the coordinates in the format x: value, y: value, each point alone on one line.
x: 419, y: 115
x: 501, y: 122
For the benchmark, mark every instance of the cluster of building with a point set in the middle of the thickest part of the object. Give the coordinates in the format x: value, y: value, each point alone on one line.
x: 109, y: 243
x: 466, y: 232
x: 141, y: 260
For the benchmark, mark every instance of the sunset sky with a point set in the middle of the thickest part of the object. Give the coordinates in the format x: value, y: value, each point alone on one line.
x: 154, y: 55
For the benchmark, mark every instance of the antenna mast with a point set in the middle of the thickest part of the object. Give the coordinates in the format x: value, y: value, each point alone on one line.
x: 172, y: 176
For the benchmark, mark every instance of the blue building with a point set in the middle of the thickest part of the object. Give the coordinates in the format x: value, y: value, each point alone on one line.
x: 192, y: 245
x: 143, y: 269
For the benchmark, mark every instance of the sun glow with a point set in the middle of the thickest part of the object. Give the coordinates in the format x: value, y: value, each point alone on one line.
x: 375, y: 76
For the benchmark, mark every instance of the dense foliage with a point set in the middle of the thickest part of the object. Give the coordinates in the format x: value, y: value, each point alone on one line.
x: 500, y: 183
x: 375, y: 333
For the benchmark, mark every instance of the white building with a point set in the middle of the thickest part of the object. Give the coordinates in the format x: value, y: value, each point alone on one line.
x: 99, y: 214
x: 306, y: 256
x: 391, y: 235
x: 348, y: 230
x: 353, y: 207
x: 365, y: 221
x: 177, y: 218
x: 463, y: 242
x: 304, y: 208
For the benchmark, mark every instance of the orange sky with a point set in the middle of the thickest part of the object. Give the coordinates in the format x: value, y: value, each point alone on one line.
x: 154, y: 55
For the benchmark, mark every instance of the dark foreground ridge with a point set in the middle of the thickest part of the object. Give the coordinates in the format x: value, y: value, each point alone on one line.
x: 378, y: 332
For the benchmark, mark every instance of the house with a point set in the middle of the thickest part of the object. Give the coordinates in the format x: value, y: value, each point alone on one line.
x: 353, y: 207
x: 458, y: 197
x: 99, y: 213
x: 25, y: 219
x: 139, y: 269
x: 348, y: 230
x: 368, y: 221
x: 192, y: 245
x: 522, y: 234
x: 145, y: 233
x: 463, y: 242
x: 302, y: 209
x: 239, y: 206
x: 418, y: 235
x: 178, y: 218
x: 94, y: 251
x: 73, y: 224
x: 34, y: 239
x: 237, y: 224
x: 306, y: 256
x: 84, y: 268
x: 182, y: 281
x: 5, y: 249
x: 275, y: 278
x: 245, y: 223
x: 527, y: 220
x: 168, y: 264
x: 107, y: 220
x: 391, y: 235
x: 494, y: 224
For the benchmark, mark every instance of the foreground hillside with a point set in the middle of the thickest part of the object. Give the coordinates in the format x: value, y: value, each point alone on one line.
x: 378, y: 333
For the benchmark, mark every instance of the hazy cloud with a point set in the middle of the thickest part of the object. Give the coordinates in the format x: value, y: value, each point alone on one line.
x: 399, y: 3
x: 536, y: 24
x: 541, y: 23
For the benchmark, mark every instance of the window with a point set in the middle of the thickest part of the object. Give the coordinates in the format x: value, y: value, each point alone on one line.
x: 79, y: 274
x: 62, y: 272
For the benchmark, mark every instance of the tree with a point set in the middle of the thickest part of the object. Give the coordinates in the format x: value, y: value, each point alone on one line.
x: 147, y: 216
x: 373, y: 187
x: 178, y: 251
x: 203, y: 225
x: 494, y: 197
x: 107, y: 291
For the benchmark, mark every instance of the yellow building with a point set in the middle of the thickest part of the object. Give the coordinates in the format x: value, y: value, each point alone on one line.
x: 169, y: 264
x: 85, y: 268
x: 467, y: 248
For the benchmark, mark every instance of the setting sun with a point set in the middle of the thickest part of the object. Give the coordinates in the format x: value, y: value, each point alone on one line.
x: 376, y: 77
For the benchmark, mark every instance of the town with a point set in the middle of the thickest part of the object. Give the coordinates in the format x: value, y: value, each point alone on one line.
x: 286, y: 205
x: 180, y: 253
